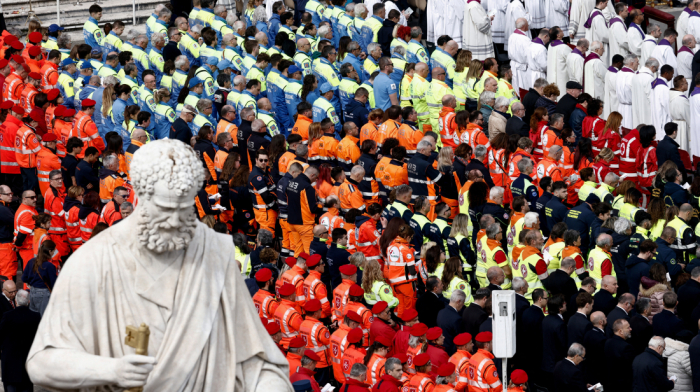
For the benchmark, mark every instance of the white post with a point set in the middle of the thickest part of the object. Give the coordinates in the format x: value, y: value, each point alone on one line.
x: 505, y: 374
x: 134, y: 11
x: 58, y: 12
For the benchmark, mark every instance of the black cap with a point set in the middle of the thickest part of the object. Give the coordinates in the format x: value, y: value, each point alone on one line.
x: 592, y: 198
x: 573, y: 86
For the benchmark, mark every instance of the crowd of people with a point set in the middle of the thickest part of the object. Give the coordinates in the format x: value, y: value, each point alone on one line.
x: 379, y: 189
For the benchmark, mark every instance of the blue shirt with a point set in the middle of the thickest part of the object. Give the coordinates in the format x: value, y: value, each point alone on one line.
x: 274, y: 29
x: 357, y: 65
x: 89, y: 36
x: 383, y: 88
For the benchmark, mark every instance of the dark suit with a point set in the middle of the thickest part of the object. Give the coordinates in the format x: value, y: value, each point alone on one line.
x: 568, y: 377
x: 594, y: 342
x: 667, y: 150
x: 5, y: 305
x: 532, y: 330
x: 472, y: 318
x: 554, y: 340
x: 517, y: 126
x: 603, y: 301
x: 642, y: 332
x: 577, y: 327
x: 559, y: 282
x: 566, y: 106
x: 521, y: 305
x: 492, y: 287
x: 688, y: 298
x: 666, y: 324
x: 476, y: 164
x: 451, y: 322
x: 530, y: 103
x: 694, y: 351
x: 619, y: 355
x: 17, y: 331
x: 428, y: 306
x: 614, y: 315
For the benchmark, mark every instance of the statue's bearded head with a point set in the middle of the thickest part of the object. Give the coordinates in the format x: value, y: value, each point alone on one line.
x: 166, y: 175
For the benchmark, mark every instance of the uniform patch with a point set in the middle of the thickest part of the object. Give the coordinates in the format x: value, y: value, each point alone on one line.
x: 327, y: 335
x: 386, y: 291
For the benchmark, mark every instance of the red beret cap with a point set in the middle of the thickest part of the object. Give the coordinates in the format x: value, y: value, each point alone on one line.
x: 263, y: 275
x: 290, y: 261
x: 312, y: 305
x: 518, y: 376
x: 3, y: 63
x: 348, y: 269
x: 312, y: 355
x: 434, y: 333
x: 17, y: 45
x: 484, y: 337
x: 35, y: 75
x: 297, y: 342
x: 26, y: 68
x: 409, y: 314
x: 356, y: 291
x: 421, y: 359
x: 304, y: 255
x: 18, y: 109
x: 37, y: 115
x: 52, y: 94
x: 355, y: 335
x: 419, y: 329
x: 60, y: 111
x: 35, y: 37
x: 7, y: 105
x: 287, y: 289
x: 446, y: 370
x: 69, y: 113
x: 49, y: 137
x: 401, y: 357
x: 34, y: 51
x: 379, y: 307
x: 17, y: 59
x: 272, y: 328
x: 383, y: 340
x: 88, y: 102
x: 354, y: 317
x: 462, y: 339
x: 313, y: 260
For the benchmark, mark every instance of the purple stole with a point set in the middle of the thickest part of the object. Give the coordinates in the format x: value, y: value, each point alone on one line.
x: 578, y: 52
x: 517, y: 31
x: 625, y: 69
x: 617, y: 20
x: 687, y: 10
x: 591, y: 56
x: 555, y: 43
x: 658, y: 82
x: 686, y: 49
x: 595, y: 13
x: 695, y: 91
x: 613, y: 69
x: 638, y: 29
x: 537, y: 40
x: 664, y: 42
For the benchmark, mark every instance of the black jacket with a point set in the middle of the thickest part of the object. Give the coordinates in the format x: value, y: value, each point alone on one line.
x: 540, y: 209
x: 244, y: 130
x: 666, y: 324
x: 492, y: 287
x: 428, y: 306
x: 603, y: 301
x: 568, y: 377
x: 356, y: 112
x: 517, y: 126
x: 619, y: 355
x: 555, y: 211
x: 532, y: 330
x: 7, y: 221
x: 614, y: 315
x: 559, y: 282
x: 472, y: 317
x: 688, y: 298
x: 566, y: 106
x: 384, y: 36
x: 530, y: 101
x: 181, y: 131
x: 643, y: 331
x: 649, y: 373
x: 451, y: 322
x: 635, y: 268
x: 594, y: 342
x: 336, y: 258
x: 694, y: 351
x: 580, y: 219
x: 17, y: 331
x: 667, y: 150
x: 171, y: 51
x: 554, y: 339
x: 475, y: 164
x: 320, y: 246
x: 577, y: 328
x: 85, y: 174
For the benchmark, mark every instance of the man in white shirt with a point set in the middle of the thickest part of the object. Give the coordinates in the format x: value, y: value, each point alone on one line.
x: 610, y: 99
x: 679, y: 109
x: 649, y: 43
x: 580, y: 10
x: 635, y: 34
x: 594, y: 71
x: 624, y: 89
x: 537, y: 57
x: 515, y: 11
x: 618, y: 31
x: 660, y: 100
x: 519, y: 44
x: 597, y: 27
x: 556, y: 59
x: 574, y: 62
x: 685, y: 57
x: 664, y: 51
x: 641, y: 92
x: 682, y: 21
x: 477, y: 31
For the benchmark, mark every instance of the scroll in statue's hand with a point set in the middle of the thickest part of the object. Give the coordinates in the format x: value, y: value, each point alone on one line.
x: 133, y: 370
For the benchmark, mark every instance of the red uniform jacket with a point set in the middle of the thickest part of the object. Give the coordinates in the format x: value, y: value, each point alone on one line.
x: 380, y: 328
x: 387, y: 383
x: 438, y: 357
x: 352, y: 385
x: 305, y: 374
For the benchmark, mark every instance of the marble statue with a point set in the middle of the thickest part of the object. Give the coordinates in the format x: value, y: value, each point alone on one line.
x: 163, y: 268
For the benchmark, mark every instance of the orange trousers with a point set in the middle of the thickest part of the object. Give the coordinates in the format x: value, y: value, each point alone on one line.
x: 301, y: 236
x: 8, y: 261
x: 26, y: 255
x: 266, y: 219
x: 407, y: 297
x: 61, y: 241
x: 286, y: 237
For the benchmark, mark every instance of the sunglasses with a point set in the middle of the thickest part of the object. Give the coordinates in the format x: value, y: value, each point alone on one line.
x: 262, y: 160
x: 30, y: 197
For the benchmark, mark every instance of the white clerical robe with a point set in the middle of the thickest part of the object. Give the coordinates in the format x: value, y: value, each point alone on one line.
x: 635, y: 37
x: 580, y: 10
x: 556, y: 64
x: 682, y: 26
x: 624, y: 96
x: 537, y: 61
x: 641, y: 96
x: 685, y: 63
x: 519, y: 47
x: 693, y: 26
x: 440, y: 22
x: 609, y: 12
x: 599, y: 32
x: 648, y: 46
x: 610, y: 100
x: 618, y: 37
x: 205, y: 333
x: 574, y: 66
x: 454, y: 20
x: 663, y: 52
x: 477, y: 32
x: 679, y: 107
x: 498, y: 26
x: 594, y: 76
x: 538, y: 13
x: 694, y: 125
x: 558, y: 14
x: 515, y: 11
x: 661, y: 115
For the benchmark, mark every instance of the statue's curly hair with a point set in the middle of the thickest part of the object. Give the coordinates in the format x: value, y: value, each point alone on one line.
x: 170, y: 160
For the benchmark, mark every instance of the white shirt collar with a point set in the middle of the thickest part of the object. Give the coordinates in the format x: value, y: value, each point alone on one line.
x: 580, y: 312
x: 571, y: 361
x: 618, y: 305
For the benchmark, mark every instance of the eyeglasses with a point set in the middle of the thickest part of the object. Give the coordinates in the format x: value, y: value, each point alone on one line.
x: 262, y: 160
x: 57, y: 179
x: 12, y: 292
x: 7, y: 194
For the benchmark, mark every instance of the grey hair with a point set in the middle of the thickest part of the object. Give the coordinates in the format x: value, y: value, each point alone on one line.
x: 157, y: 37
x: 520, y: 23
x: 612, y: 178
x: 110, y: 160
x: 219, y: 9
x: 630, y: 58
x: 652, y: 63
x: 357, y: 169
x: 323, y: 30
x: 576, y: 349
x: 63, y: 41
x: 596, y: 45
x: 501, y: 102
x: 518, y: 284
x: 458, y: 295
x: 22, y: 297
x: 238, y: 80
x: 412, y: 340
x: 567, y: 262
x: 239, y: 25
x: 141, y: 39
x: 541, y: 82
x: 204, y: 103
x: 372, y: 47
x: 424, y: 144
x: 256, y: 125
x: 654, y: 28
x: 400, y: 50
x: 303, y: 150
x: 495, y: 192
x: 358, y: 370
x: 687, y: 39
x: 132, y: 34
x: 350, y: 7
x: 603, y: 240
x: 231, y: 18
x: 523, y: 164
x: 180, y: 61
x: 622, y: 225
x: 164, y: 12
x: 487, y: 96
x: 583, y: 43
x: 391, y: 363
x: 196, y: 29
x: 643, y: 304
x: 656, y: 342
x: 492, y: 230
x: 56, y: 172
x: 126, y: 205
x: 260, y: 15
x: 360, y: 9
x: 441, y: 380
x: 416, y: 32
x: 695, y: 273
x: 264, y: 236
x: 353, y: 45
x: 480, y: 150
x: 403, y: 189
x: 531, y: 218
x: 110, y: 81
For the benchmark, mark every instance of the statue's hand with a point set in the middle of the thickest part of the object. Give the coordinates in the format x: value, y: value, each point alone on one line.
x: 132, y: 370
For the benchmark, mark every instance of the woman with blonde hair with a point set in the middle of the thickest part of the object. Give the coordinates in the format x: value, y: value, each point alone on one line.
x: 601, y: 167
x: 464, y: 59
x: 375, y: 287
x: 610, y: 138
x: 471, y: 78
x: 250, y: 11
x: 452, y: 280
x: 458, y: 244
x: 620, y: 193
x: 315, y: 134
x: 164, y: 114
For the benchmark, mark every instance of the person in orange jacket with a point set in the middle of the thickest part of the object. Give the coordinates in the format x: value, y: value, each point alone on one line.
x: 30, y: 90
x: 304, y: 120
x: 307, y: 372
x: 294, y: 354
x: 376, y: 358
x: 348, y: 150
x: 422, y: 381
x: 71, y: 209
x: 89, y: 214
x: 400, y: 269
x: 49, y: 71
x: 354, y: 353
x: 448, y: 126
x: 314, y: 288
x: 109, y: 178
x: 366, y: 234
x: 85, y: 128
x: 24, y: 225
x: 446, y: 377
x: 295, y: 276
x: 339, y: 342
x: 111, y: 212
x: 518, y: 381
x: 355, y: 298
x: 341, y: 293
x: 481, y: 372
x: 8, y: 256
x: 318, y: 339
x: 54, y: 198
x: 349, y: 191
x: 287, y: 316
x: 14, y: 84
x: 264, y: 300
x: 27, y: 147
x: 47, y: 161
x: 461, y: 357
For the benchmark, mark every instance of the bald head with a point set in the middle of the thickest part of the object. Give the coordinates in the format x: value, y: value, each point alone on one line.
x: 5, y: 189
x: 689, y: 41
x: 439, y: 72
x: 451, y: 47
x: 138, y: 133
x: 449, y: 100
x: 302, y: 44
x: 554, y: 151
x: 422, y: 70
x: 319, y: 230
x: 264, y: 104
x: 598, y: 319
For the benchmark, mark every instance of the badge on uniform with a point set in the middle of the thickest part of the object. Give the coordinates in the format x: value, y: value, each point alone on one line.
x: 151, y: 102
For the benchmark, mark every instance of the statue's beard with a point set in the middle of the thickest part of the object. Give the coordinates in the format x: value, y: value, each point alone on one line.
x: 159, y: 235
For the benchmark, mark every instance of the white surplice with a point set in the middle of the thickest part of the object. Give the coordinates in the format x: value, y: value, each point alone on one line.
x: 641, y: 96
x: 663, y: 52
x: 515, y: 11
x: 519, y: 46
x: 648, y: 46
x: 624, y: 96
x: 538, y: 13
x: 693, y: 26
x: 574, y: 66
x: 635, y: 37
x: 477, y: 32
x: 536, y: 61
x: 580, y: 10
x: 685, y: 63
x: 659, y: 101
x: 556, y: 64
x: 618, y: 37
x: 610, y: 99
x: 694, y: 125
x: 594, y: 76
x: 679, y: 107
x: 557, y: 12
x: 498, y: 26
x: 599, y: 32
x: 682, y: 26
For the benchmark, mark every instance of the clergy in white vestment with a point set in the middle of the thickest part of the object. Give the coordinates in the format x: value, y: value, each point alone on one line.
x: 694, y: 23
x: 580, y: 10
x: 685, y: 57
x: 618, y: 31
x: 537, y: 57
x: 694, y: 125
x: 538, y: 13
x: 477, y: 31
x: 519, y: 47
x: 664, y: 52
x: 556, y: 59
x: 649, y: 43
x: 574, y: 62
x: 597, y: 27
x: 624, y: 89
x: 682, y: 22
x: 445, y: 17
x: 594, y: 71
x: 680, y: 113
x: 609, y: 12
x: 558, y: 14
x: 641, y: 92
x: 635, y: 34
x: 660, y: 100
x: 610, y: 99
x: 515, y: 11
x: 498, y: 27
